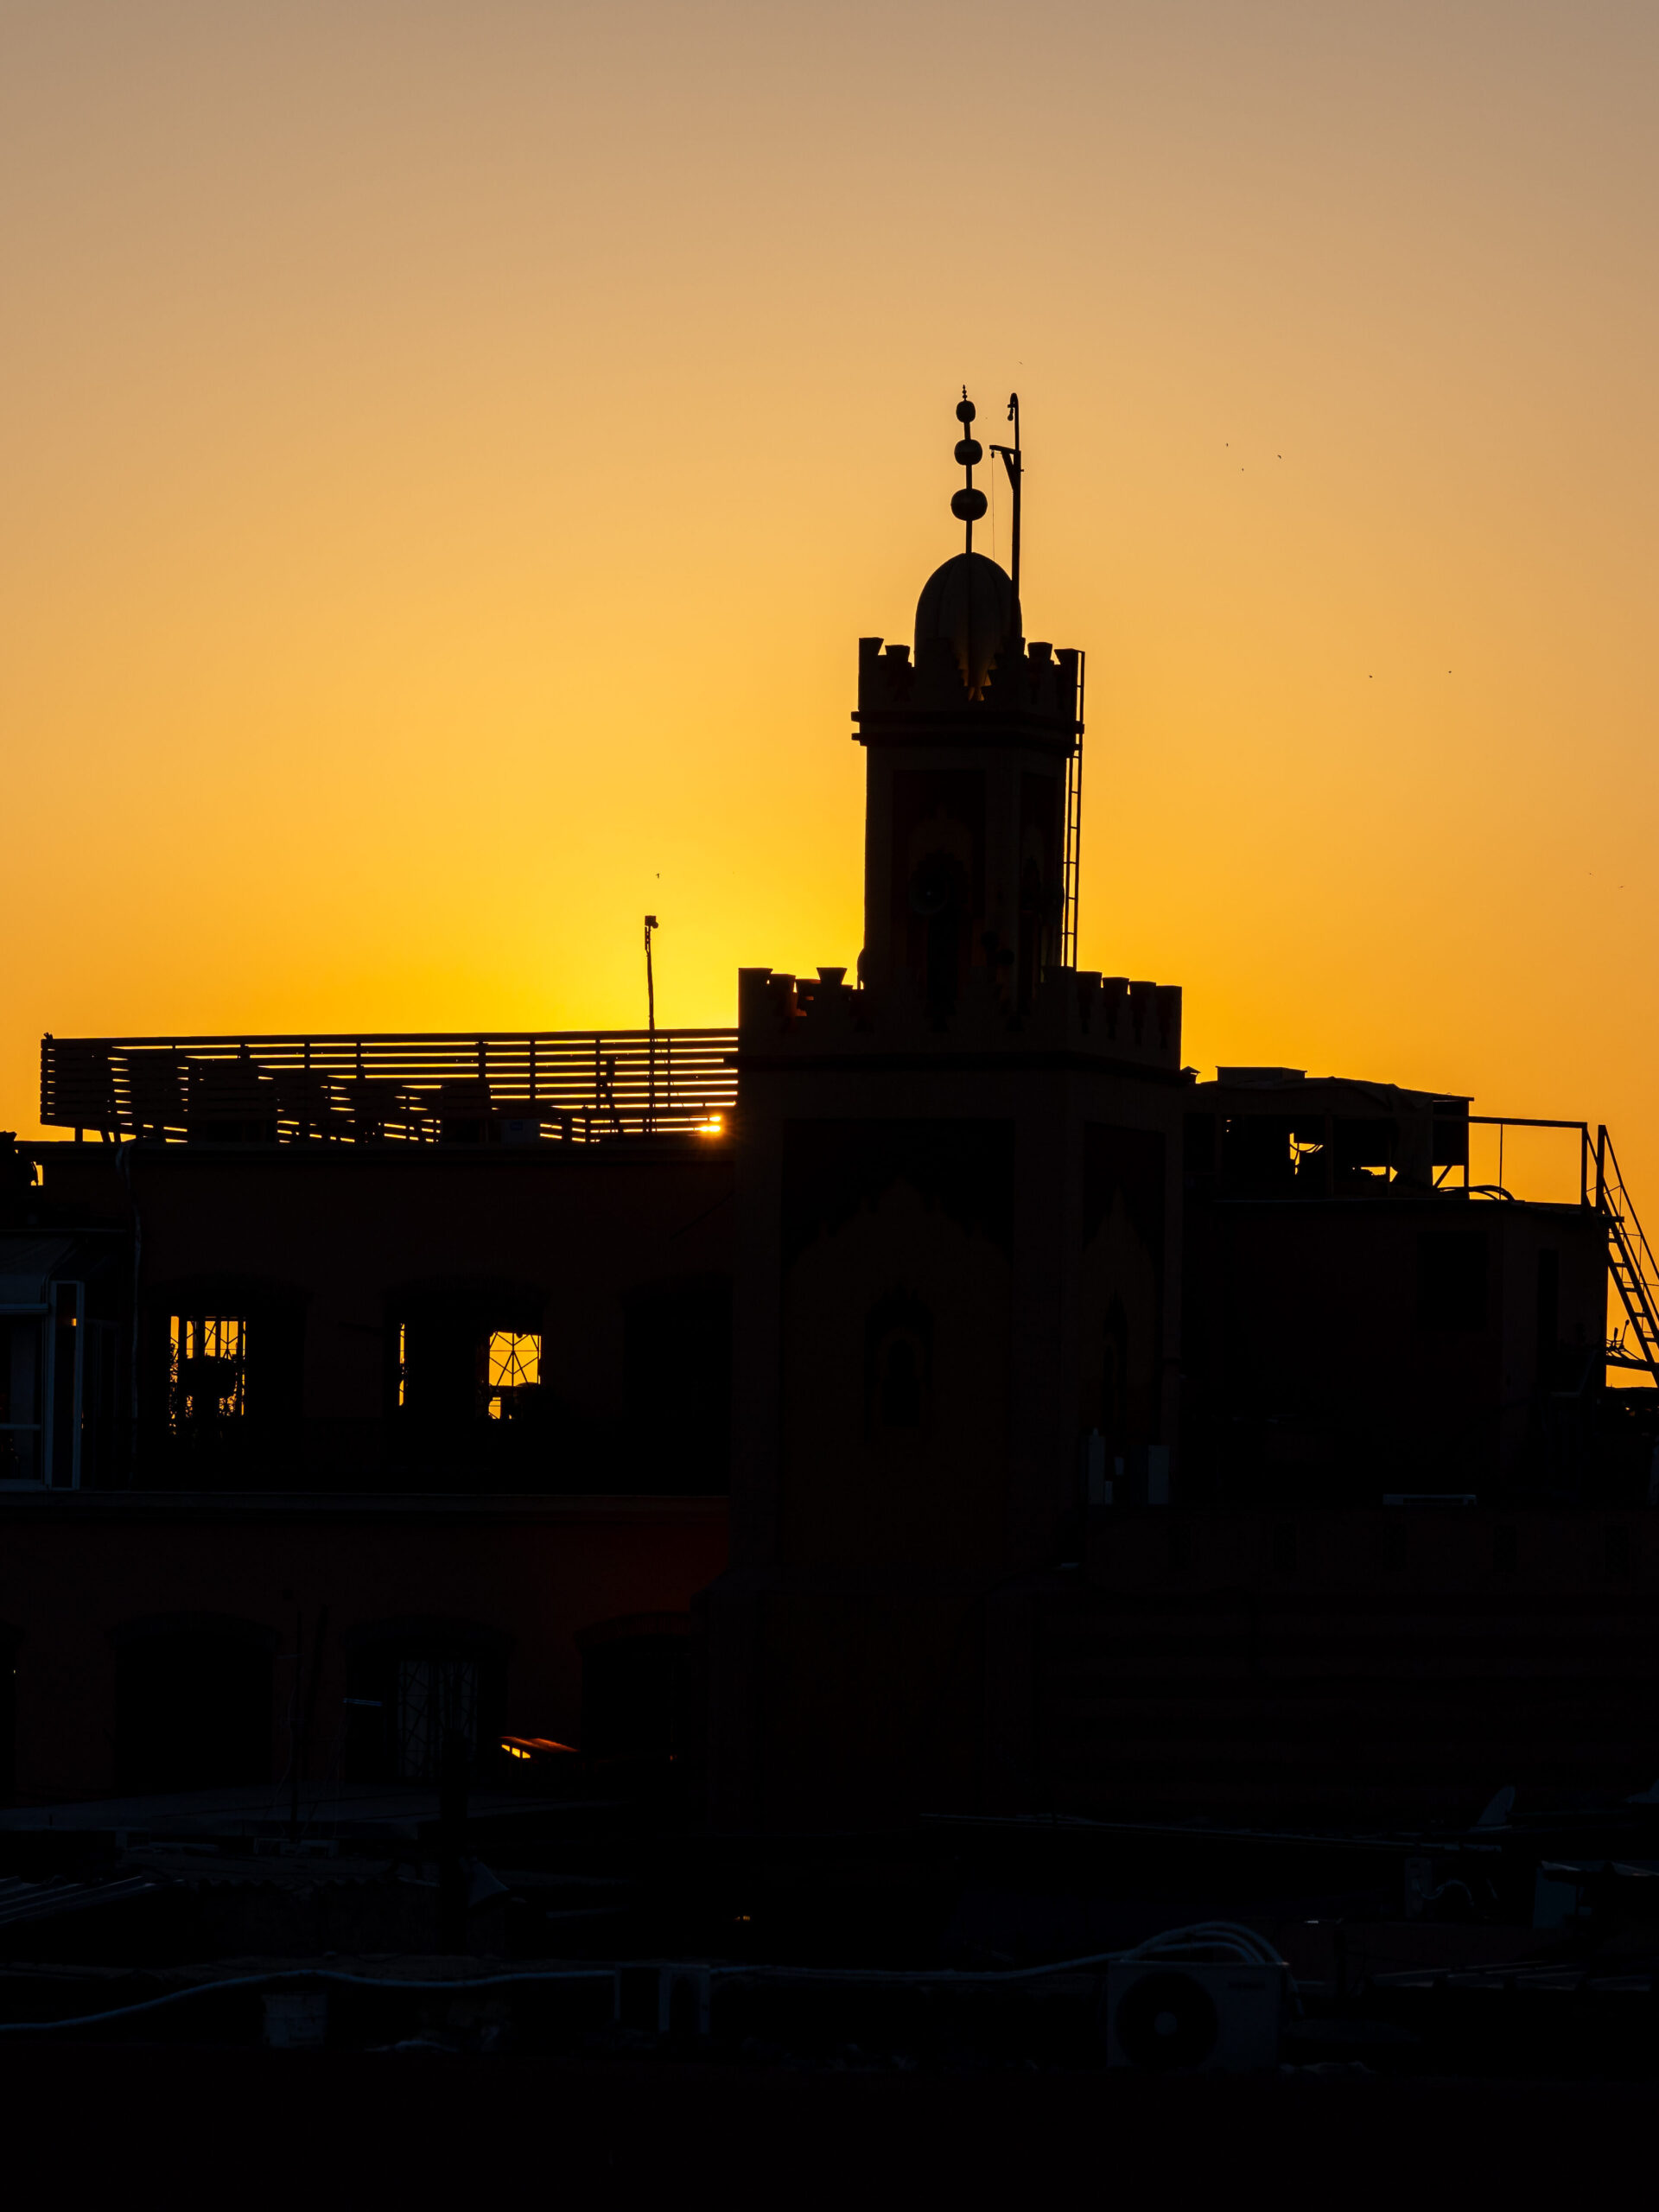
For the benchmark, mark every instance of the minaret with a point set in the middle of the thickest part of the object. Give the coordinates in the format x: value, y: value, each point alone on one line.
x: 958, y: 1257
x: 970, y: 747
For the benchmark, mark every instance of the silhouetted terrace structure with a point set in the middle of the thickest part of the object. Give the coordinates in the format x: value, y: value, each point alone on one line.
x: 517, y: 1087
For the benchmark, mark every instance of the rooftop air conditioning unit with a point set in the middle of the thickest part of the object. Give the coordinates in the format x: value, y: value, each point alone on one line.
x: 1167, y: 2016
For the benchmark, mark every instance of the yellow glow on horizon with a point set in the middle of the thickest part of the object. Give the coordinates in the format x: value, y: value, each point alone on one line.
x: 451, y: 454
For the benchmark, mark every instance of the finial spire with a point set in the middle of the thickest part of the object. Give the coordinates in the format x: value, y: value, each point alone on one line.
x: 968, y: 505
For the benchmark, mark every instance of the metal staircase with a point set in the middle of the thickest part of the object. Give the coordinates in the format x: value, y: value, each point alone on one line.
x: 1630, y: 1257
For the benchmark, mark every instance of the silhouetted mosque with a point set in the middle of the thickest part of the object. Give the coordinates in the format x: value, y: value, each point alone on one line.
x: 927, y: 1395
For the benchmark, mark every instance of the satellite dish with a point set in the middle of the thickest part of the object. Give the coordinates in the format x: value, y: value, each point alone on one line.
x: 1166, y: 2022
x: 1496, y: 1814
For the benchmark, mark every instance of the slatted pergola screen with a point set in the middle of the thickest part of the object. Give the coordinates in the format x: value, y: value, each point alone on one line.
x: 583, y: 1085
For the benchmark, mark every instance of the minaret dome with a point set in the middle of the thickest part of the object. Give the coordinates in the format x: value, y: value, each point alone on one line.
x: 969, y: 602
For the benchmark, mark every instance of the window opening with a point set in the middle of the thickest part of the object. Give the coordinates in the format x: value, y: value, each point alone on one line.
x: 936, y: 894
x: 451, y: 1368
x: 515, y: 1364
x: 899, y: 1359
x: 207, y: 1368
x: 64, y: 1443
x: 20, y: 1398
x: 98, y: 1407
x: 901, y: 1383
x: 1302, y: 1150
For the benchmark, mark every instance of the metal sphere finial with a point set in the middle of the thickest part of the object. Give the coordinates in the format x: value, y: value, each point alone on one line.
x: 968, y: 505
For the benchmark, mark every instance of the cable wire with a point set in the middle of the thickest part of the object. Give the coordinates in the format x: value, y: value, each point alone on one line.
x: 310, y: 1976
x: 1174, y: 1943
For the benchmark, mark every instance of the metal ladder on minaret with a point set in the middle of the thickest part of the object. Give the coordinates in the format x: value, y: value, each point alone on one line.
x: 1629, y: 1259
x: 1071, y: 867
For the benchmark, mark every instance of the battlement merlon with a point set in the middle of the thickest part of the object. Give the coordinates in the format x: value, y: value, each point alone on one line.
x: 1075, y: 1012
x: 1030, y: 696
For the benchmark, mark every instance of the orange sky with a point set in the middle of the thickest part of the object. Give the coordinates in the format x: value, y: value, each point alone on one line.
x: 450, y: 451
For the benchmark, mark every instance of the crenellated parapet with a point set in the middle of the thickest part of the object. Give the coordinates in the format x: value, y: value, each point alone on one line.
x: 1075, y: 1012
x: 1029, y: 692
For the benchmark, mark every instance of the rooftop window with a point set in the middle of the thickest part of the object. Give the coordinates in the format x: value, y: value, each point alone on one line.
x: 207, y: 1370
x: 514, y: 1364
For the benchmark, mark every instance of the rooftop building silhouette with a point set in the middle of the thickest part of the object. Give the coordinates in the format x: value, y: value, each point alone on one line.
x: 926, y: 1395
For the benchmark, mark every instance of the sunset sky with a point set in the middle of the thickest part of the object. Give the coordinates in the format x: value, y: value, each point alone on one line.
x: 449, y: 453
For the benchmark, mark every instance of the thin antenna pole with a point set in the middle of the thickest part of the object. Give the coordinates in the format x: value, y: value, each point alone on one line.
x: 652, y: 923
x: 1016, y: 468
x: 1077, y: 853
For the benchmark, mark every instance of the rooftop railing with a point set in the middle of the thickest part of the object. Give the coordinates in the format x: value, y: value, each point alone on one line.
x: 581, y: 1086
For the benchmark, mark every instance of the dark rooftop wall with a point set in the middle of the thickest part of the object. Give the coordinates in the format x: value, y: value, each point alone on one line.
x: 342, y: 1259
